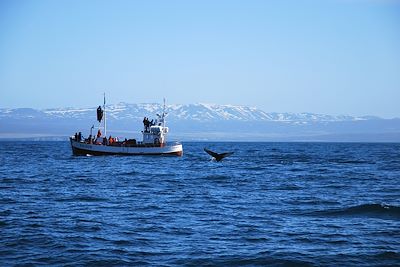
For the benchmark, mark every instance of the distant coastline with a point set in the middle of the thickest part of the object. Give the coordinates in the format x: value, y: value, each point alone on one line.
x: 200, y: 122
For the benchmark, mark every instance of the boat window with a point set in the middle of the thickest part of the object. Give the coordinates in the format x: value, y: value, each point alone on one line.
x: 155, y: 129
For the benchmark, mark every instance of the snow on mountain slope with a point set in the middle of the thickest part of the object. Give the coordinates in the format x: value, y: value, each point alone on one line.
x: 201, y: 122
x: 194, y: 112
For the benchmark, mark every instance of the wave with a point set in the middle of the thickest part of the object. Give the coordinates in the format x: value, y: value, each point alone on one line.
x: 243, y: 261
x: 7, y: 200
x: 81, y: 198
x: 367, y: 210
x: 288, y: 187
x: 122, y: 242
x: 217, y: 178
x: 351, y: 161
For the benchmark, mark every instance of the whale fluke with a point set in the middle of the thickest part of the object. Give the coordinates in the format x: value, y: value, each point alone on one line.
x: 218, y: 156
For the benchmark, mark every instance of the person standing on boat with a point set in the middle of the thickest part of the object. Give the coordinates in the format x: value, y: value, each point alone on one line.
x: 145, y: 124
x: 98, y: 140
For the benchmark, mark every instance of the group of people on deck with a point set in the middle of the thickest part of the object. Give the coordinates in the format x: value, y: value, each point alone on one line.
x: 147, y: 124
x: 78, y: 136
x: 98, y: 140
x: 103, y: 140
x: 112, y: 140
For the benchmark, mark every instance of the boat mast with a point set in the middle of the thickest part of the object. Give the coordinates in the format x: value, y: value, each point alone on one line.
x: 164, y: 113
x: 105, y: 123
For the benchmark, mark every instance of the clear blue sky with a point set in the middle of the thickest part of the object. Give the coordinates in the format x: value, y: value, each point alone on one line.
x: 333, y: 57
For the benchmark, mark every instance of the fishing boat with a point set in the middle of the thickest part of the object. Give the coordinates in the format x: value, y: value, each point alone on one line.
x: 154, y: 140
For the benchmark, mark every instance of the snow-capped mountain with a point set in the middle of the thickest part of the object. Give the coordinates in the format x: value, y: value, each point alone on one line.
x: 193, y: 112
x: 201, y: 121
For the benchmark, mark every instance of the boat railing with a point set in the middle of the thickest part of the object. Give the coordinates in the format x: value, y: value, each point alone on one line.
x: 127, y: 143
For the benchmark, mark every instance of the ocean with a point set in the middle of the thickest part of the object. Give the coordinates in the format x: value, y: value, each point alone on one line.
x: 269, y: 204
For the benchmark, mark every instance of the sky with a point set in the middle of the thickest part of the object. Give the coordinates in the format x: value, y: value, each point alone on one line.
x: 330, y: 57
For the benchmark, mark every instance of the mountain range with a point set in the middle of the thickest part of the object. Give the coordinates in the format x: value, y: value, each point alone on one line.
x: 199, y: 122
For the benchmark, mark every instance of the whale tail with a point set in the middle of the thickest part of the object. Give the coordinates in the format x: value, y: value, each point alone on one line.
x: 217, y: 156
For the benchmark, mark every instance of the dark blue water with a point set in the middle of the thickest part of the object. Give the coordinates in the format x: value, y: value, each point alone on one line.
x: 278, y: 204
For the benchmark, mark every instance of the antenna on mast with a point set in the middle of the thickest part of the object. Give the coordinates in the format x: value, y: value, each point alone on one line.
x: 164, y: 106
x: 164, y: 113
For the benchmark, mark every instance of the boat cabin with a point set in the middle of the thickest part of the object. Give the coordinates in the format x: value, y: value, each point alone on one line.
x: 155, y: 135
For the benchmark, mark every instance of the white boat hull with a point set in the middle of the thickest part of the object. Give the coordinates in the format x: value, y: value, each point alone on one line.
x: 81, y: 148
